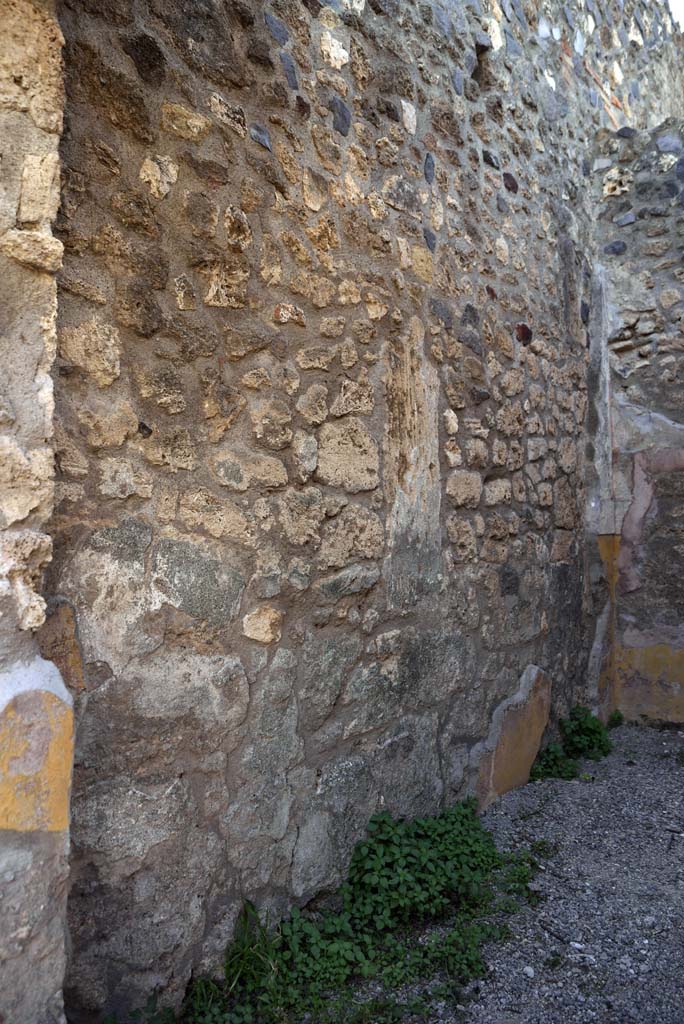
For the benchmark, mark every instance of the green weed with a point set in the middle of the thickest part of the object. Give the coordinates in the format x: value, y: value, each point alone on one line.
x: 543, y: 848
x: 402, y: 876
x: 582, y: 735
x: 552, y: 763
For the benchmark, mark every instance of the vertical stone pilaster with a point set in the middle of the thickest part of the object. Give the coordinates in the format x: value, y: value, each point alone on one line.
x: 36, y: 717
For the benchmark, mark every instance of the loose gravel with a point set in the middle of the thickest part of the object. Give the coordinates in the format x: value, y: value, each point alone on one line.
x: 606, y: 942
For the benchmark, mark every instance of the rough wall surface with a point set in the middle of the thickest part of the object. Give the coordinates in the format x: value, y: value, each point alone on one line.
x: 640, y: 244
x: 321, y: 393
x: 36, y: 717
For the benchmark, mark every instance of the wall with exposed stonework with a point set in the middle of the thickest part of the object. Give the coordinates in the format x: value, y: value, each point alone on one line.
x: 36, y: 717
x: 321, y: 392
x: 638, y: 499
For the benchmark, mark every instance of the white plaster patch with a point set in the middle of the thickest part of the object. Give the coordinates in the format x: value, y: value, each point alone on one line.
x: 544, y: 28
x: 634, y: 34
x: 333, y: 51
x: 408, y: 114
x: 159, y: 173
x: 29, y: 676
x: 494, y: 33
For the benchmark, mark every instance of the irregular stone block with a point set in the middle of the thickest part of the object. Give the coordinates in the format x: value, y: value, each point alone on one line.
x: 518, y: 724
x: 348, y: 456
x: 94, y: 348
x: 34, y: 249
x: 188, y: 124
x: 263, y: 624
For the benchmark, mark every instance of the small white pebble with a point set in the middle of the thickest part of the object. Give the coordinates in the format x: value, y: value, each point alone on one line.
x: 528, y: 972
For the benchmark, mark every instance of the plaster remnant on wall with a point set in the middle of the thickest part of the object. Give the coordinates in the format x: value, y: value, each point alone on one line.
x: 36, y: 715
x: 506, y: 756
x: 640, y: 488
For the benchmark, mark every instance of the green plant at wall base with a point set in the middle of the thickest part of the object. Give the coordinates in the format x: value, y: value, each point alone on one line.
x: 552, y: 763
x: 582, y: 735
x: 616, y: 719
x: 402, y: 876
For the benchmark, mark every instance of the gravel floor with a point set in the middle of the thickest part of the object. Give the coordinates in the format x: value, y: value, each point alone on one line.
x: 606, y: 944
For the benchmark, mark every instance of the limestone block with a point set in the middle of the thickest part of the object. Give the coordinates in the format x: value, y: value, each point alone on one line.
x: 218, y: 516
x: 348, y: 456
x: 159, y: 174
x: 23, y: 554
x: 497, y: 492
x: 312, y: 404
x: 34, y: 249
x: 30, y: 64
x: 518, y: 724
x: 333, y: 52
x: 239, y: 471
x: 25, y: 480
x: 355, y: 533
x: 464, y: 488
x: 39, y: 199
x: 108, y: 426
x: 263, y: 624
x: 94, y: 348
x: 183, y: 122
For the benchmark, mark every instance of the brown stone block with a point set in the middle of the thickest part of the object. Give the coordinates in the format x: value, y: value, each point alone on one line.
x: 518, y: 725
x: 58, y: 642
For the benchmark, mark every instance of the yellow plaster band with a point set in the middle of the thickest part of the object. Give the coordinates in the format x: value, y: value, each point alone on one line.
x: 642, y: 682
x: 650, y: 682
x: 36, y: 748
x: 36, y: 753
x: 609, y: 549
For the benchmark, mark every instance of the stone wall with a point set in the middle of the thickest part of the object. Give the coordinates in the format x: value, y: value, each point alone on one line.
x: 36, y: 718
x: 639, y: 497
x: 321, y: 390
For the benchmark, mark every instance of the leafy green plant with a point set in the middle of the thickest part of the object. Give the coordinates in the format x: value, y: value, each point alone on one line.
x: 552, y: 763
x: 543, y: 848
x: 615, y: 720
x: 402, y: 876
x: 584, y: 735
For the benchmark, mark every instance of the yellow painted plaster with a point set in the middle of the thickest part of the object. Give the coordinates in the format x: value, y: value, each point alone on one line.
x: 36, y: 754
x: 642, y: 682
x: 609, y: 549
x: 649, y: 682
